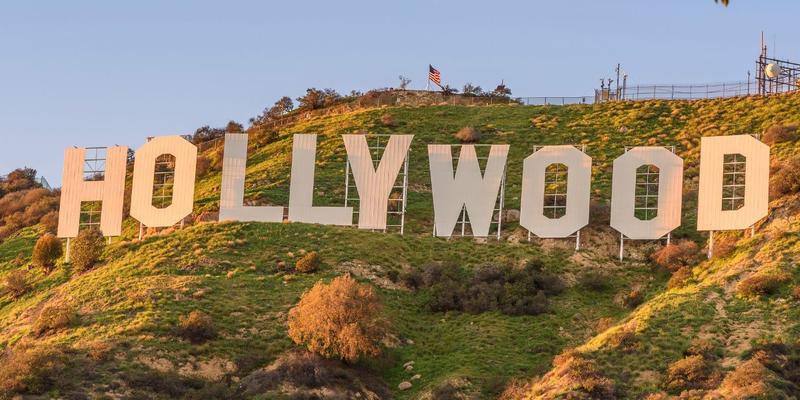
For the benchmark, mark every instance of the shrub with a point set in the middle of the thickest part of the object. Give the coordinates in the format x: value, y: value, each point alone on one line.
x: 412, y: 278
x: 203, y: 165
x: 780, y: 133
x: 196, y: 327
x: 17, y: 283
x: 624, y: 339
x: 703, y: 348
x: 691, y: 372
x: 31, y: 369
x: 304, y: 375
x: 54, y: 317
x: 786, y: 179
x: 630, y: 298
x: 387, y: 120
x: 761, y: 284
x: 341, y: 319
x: 512, y: 291
x: 602, y: 324
x: 679, y: 278
x: 46, y: 252
x: 50, y: 221
x: 724, y: 246
x: 574, y: 377
x: 308, y: 263
x: 86, y: 250
x: 593, y: 280
x: 676, y: 255
x: 468, y: 134
x: 750, y: 380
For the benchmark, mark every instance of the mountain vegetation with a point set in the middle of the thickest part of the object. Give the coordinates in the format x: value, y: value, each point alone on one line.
x: 218, y: 310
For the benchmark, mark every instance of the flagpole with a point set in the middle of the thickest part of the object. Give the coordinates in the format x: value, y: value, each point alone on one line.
x: 428, y: 83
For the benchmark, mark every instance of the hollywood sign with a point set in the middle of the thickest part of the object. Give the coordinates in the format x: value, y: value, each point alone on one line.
x: 733, y: 191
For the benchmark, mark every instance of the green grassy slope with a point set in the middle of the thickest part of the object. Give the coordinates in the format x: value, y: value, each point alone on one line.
x: 230, y: 270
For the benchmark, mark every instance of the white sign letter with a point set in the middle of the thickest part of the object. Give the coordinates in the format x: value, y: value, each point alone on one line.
x: 532, y: 208
x: 375, y: 185
x: 301, y: 190
x: 142, y: 207
x: 734, y: 182
x: 231, y: 200
x: 74, y: 190
x: 654, y: 190
x: 468, y: 189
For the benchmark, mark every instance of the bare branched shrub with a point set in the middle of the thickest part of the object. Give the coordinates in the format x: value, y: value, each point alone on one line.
x: 46, y: 252
x: 308, y: 263
x: 54, y: 317
x: 468, y: 134
x: 29, y: 369
x: 630, y: 298
x: 780, y: 133
x: 786, y: 179
x: 342, y: 319
x: 86, y: 250
x: 196, y: 327
x: 676, y: 255
x: 761, y: 284
x: 16, y: 283
x: 679, y: 278
x: 388, y: 120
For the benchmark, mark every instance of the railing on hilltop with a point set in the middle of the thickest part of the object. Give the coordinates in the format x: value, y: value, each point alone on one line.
x: 555, y: 100
x: 677, y: 92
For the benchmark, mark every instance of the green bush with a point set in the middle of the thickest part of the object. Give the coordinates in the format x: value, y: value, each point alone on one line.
x: 46, y: 252
x: 308, y: 263
x: 197, y: 327
x: 594, y: 280
x: 512, y: 291
x: 17, y: 283
x: 86, y: 249
x: 53, y: 318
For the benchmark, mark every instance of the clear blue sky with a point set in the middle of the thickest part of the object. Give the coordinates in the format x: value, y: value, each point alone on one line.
x: 108, y: 72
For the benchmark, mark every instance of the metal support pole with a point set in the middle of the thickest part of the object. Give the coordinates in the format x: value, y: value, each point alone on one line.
x: 669, y: 238
x: 405, y: 193
x: 141, y: 230
x: 710, y: 244
x: 578, y: 240
x: 621, y: 245
x: 66, y: 254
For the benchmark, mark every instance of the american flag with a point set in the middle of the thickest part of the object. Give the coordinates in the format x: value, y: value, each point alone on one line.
x: 434, y: 75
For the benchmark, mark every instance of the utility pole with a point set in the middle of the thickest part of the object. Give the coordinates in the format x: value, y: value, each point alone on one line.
x: 618, y: 68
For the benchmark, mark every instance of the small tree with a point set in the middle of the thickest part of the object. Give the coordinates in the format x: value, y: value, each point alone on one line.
x: 342, y: 319
x: 404, y: 82
x: 46, y: 252
x: 234, y: 127
x: 471, y: 90
x: 502, y: 90
x: 311, y: 100
x: 86, y: 249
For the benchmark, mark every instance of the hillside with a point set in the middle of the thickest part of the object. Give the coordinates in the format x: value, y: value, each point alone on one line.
x: 123, y: 344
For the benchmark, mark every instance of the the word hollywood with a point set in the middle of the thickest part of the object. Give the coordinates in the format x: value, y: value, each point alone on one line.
x: 733, y: 192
